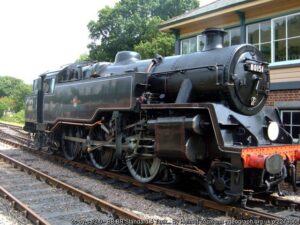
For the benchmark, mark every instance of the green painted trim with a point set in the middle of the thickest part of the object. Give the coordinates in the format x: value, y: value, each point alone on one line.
x: 176, y: 32
x: 242, y: 18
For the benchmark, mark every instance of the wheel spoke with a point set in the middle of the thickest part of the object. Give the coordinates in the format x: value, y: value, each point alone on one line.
x: 218, y: 182
x: 148, y: 168
x: 134, y: 163
x: 70, y: 148
x: 100, y: 157
x: 143, y: 169
x: 139, y: 168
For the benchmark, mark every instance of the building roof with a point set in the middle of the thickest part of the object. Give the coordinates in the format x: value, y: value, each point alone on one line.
x: 212, y: 7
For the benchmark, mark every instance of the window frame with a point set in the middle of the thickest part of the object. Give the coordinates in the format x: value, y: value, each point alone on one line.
x: 197, y: 43
x: 272, y: 23
x: 291, y: 125
x: 229, y: 32
x: 285, y: 62
x: 188, y: 38
x: 259, y: 36
x: 198, y: 40
x: 35, y: 86
x: 50, y: 81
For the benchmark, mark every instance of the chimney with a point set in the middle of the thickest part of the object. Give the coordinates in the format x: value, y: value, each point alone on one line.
x: 214, y: 38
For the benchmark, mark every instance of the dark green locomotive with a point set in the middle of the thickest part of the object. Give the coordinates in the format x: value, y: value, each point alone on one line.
x: 201, y: 113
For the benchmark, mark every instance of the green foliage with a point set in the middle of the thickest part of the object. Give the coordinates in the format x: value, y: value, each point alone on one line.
x: 6, y: 103
x: 21, y: 91
x: 131, y: 23
x: 167, y: 9
x: 18, y: 117
x: 163, y: 44
x: 83, y: 58
x: 12, y: 93
x: 8, y: 85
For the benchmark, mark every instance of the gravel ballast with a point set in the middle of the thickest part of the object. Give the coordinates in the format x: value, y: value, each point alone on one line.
x: 98, y: 186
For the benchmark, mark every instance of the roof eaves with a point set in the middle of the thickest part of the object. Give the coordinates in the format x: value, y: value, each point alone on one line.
x: 186, y: 16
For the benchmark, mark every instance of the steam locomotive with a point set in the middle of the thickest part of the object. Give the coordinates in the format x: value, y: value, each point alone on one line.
x: 201, y: 114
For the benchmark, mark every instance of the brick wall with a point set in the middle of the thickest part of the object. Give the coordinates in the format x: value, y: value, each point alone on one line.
x: 298, y: 175
x: 287, y: 187
x: 283, y: 95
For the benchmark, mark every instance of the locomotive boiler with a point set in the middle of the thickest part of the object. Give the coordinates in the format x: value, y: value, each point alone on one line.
x: 202, y: 113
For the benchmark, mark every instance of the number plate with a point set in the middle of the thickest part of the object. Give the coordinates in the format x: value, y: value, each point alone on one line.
x: 255, y: 68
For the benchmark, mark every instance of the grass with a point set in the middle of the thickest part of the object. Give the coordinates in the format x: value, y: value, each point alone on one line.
x: 17, y: 119
x: 12, y: 123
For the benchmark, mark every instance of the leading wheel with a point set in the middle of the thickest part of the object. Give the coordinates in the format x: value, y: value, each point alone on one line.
x: 218, y: 183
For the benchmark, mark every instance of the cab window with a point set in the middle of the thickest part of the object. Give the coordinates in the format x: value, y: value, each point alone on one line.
x: 36, y: 86
x: 49, y: 85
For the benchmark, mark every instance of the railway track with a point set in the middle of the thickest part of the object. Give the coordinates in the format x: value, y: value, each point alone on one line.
x: 46, y: 200
x: 231, y: 211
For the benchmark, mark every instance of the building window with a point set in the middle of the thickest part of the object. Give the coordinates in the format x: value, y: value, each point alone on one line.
x: 192, y: 44
x: 259, y: 34
x: 196, y: 44
x: 291, y: 122
x: 189, y: 45
x: 278, y: 39
x: 233, y: 37
x: 286, y: 38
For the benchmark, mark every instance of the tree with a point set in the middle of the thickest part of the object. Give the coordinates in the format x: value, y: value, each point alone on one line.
x: 131, y: 23
x: 6, y: 103
x: 8, y: 85
x: 83, y: 58
x: 13, y: 92
x: 19, y: 95
x: 163, y: 44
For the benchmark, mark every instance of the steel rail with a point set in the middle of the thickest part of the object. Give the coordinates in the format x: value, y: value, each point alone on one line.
x: 83, y: 196
x: 278, y: 201
x: 231, y: 211
x: 18, y: 205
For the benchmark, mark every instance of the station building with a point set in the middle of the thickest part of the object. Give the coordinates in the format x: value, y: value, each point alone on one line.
x: 273, y: 26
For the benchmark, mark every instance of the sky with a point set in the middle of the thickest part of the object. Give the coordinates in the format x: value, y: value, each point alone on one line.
x: 42, y: 35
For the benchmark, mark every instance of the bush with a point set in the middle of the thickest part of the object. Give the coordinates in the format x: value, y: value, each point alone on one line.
x: 18, y: 117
